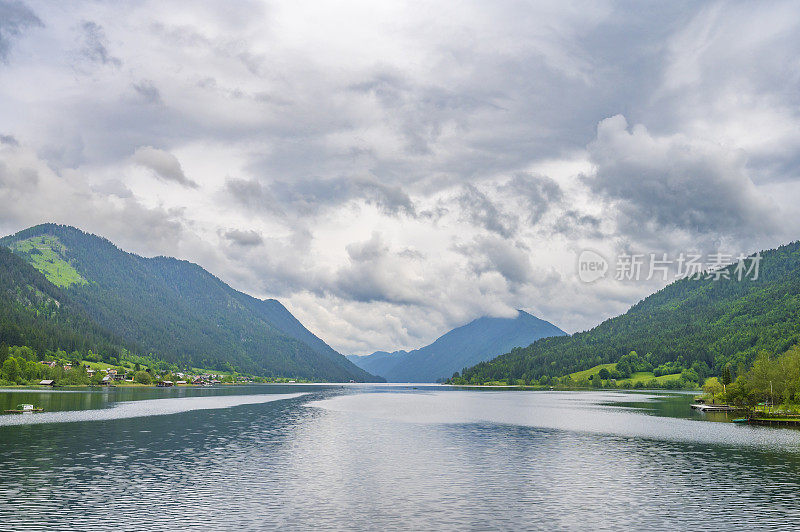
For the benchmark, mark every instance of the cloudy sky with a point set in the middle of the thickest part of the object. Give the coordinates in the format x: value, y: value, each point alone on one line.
x: 391, y: 170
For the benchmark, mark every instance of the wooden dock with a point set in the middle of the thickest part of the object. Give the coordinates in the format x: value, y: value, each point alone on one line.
x: 702, y: 407
x: 754, y: 417
x: 774, y: 422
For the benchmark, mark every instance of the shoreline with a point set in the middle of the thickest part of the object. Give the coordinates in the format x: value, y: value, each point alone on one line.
x: 571, y: 388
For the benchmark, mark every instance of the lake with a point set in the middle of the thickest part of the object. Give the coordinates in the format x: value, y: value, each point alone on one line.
x: 301, y: 457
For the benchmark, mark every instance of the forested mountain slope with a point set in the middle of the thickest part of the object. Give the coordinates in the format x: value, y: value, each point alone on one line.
x: 37, y: 314
x: 177, y: 310
x: 718, y: 323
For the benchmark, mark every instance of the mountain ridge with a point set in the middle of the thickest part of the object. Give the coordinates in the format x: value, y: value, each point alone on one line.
x: 178, y: 310
x: 704, y: 324
x: 478, y: 340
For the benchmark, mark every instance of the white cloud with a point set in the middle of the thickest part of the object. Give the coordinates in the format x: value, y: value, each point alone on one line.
x: 391, y: 171
x: 669, y: 183
x: 33, y: 193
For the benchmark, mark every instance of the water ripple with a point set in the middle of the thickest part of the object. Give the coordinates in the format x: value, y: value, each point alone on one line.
x: 400, y: 461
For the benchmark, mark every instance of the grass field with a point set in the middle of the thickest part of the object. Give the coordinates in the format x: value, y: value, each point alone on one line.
x: 586, y: 373
x: 641, y: 376
x: 647, y: 376
x: 44, y: 252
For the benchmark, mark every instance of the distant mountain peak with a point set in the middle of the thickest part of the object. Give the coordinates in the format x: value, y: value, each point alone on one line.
x: 481, y: 339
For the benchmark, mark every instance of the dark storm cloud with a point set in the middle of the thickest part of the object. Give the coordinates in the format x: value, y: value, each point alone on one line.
x: 15, y: 19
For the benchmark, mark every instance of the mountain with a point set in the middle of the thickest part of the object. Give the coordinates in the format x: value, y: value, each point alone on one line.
x: 36, y: 313
x: 379, y: 362
x: 479, y: 340
x: 701, y: 323
x: 177, y: 310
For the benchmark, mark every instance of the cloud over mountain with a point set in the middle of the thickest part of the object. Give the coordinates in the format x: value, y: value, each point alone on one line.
x: 392, y: 171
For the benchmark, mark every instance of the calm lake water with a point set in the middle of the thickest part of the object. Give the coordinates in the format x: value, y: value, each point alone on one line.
x: 388, y: 457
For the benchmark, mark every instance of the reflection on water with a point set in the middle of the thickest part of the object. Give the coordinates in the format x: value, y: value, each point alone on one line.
x: 597, y: 412
x: 62, y: 399
x: 144, y: 408
x: 374, y: 458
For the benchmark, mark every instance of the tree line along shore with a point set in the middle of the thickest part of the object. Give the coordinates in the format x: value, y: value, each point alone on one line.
x: 24, y: 366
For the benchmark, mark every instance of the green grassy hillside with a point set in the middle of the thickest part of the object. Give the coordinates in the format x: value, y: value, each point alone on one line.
x: 587, y: 374
x: 36, y: 313
x: 45, y: 253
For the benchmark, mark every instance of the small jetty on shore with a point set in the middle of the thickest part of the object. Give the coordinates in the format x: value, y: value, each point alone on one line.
x: 753, y: 417
x: 704, y: 407
x: 775, y: 421
x: 775, y: 418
